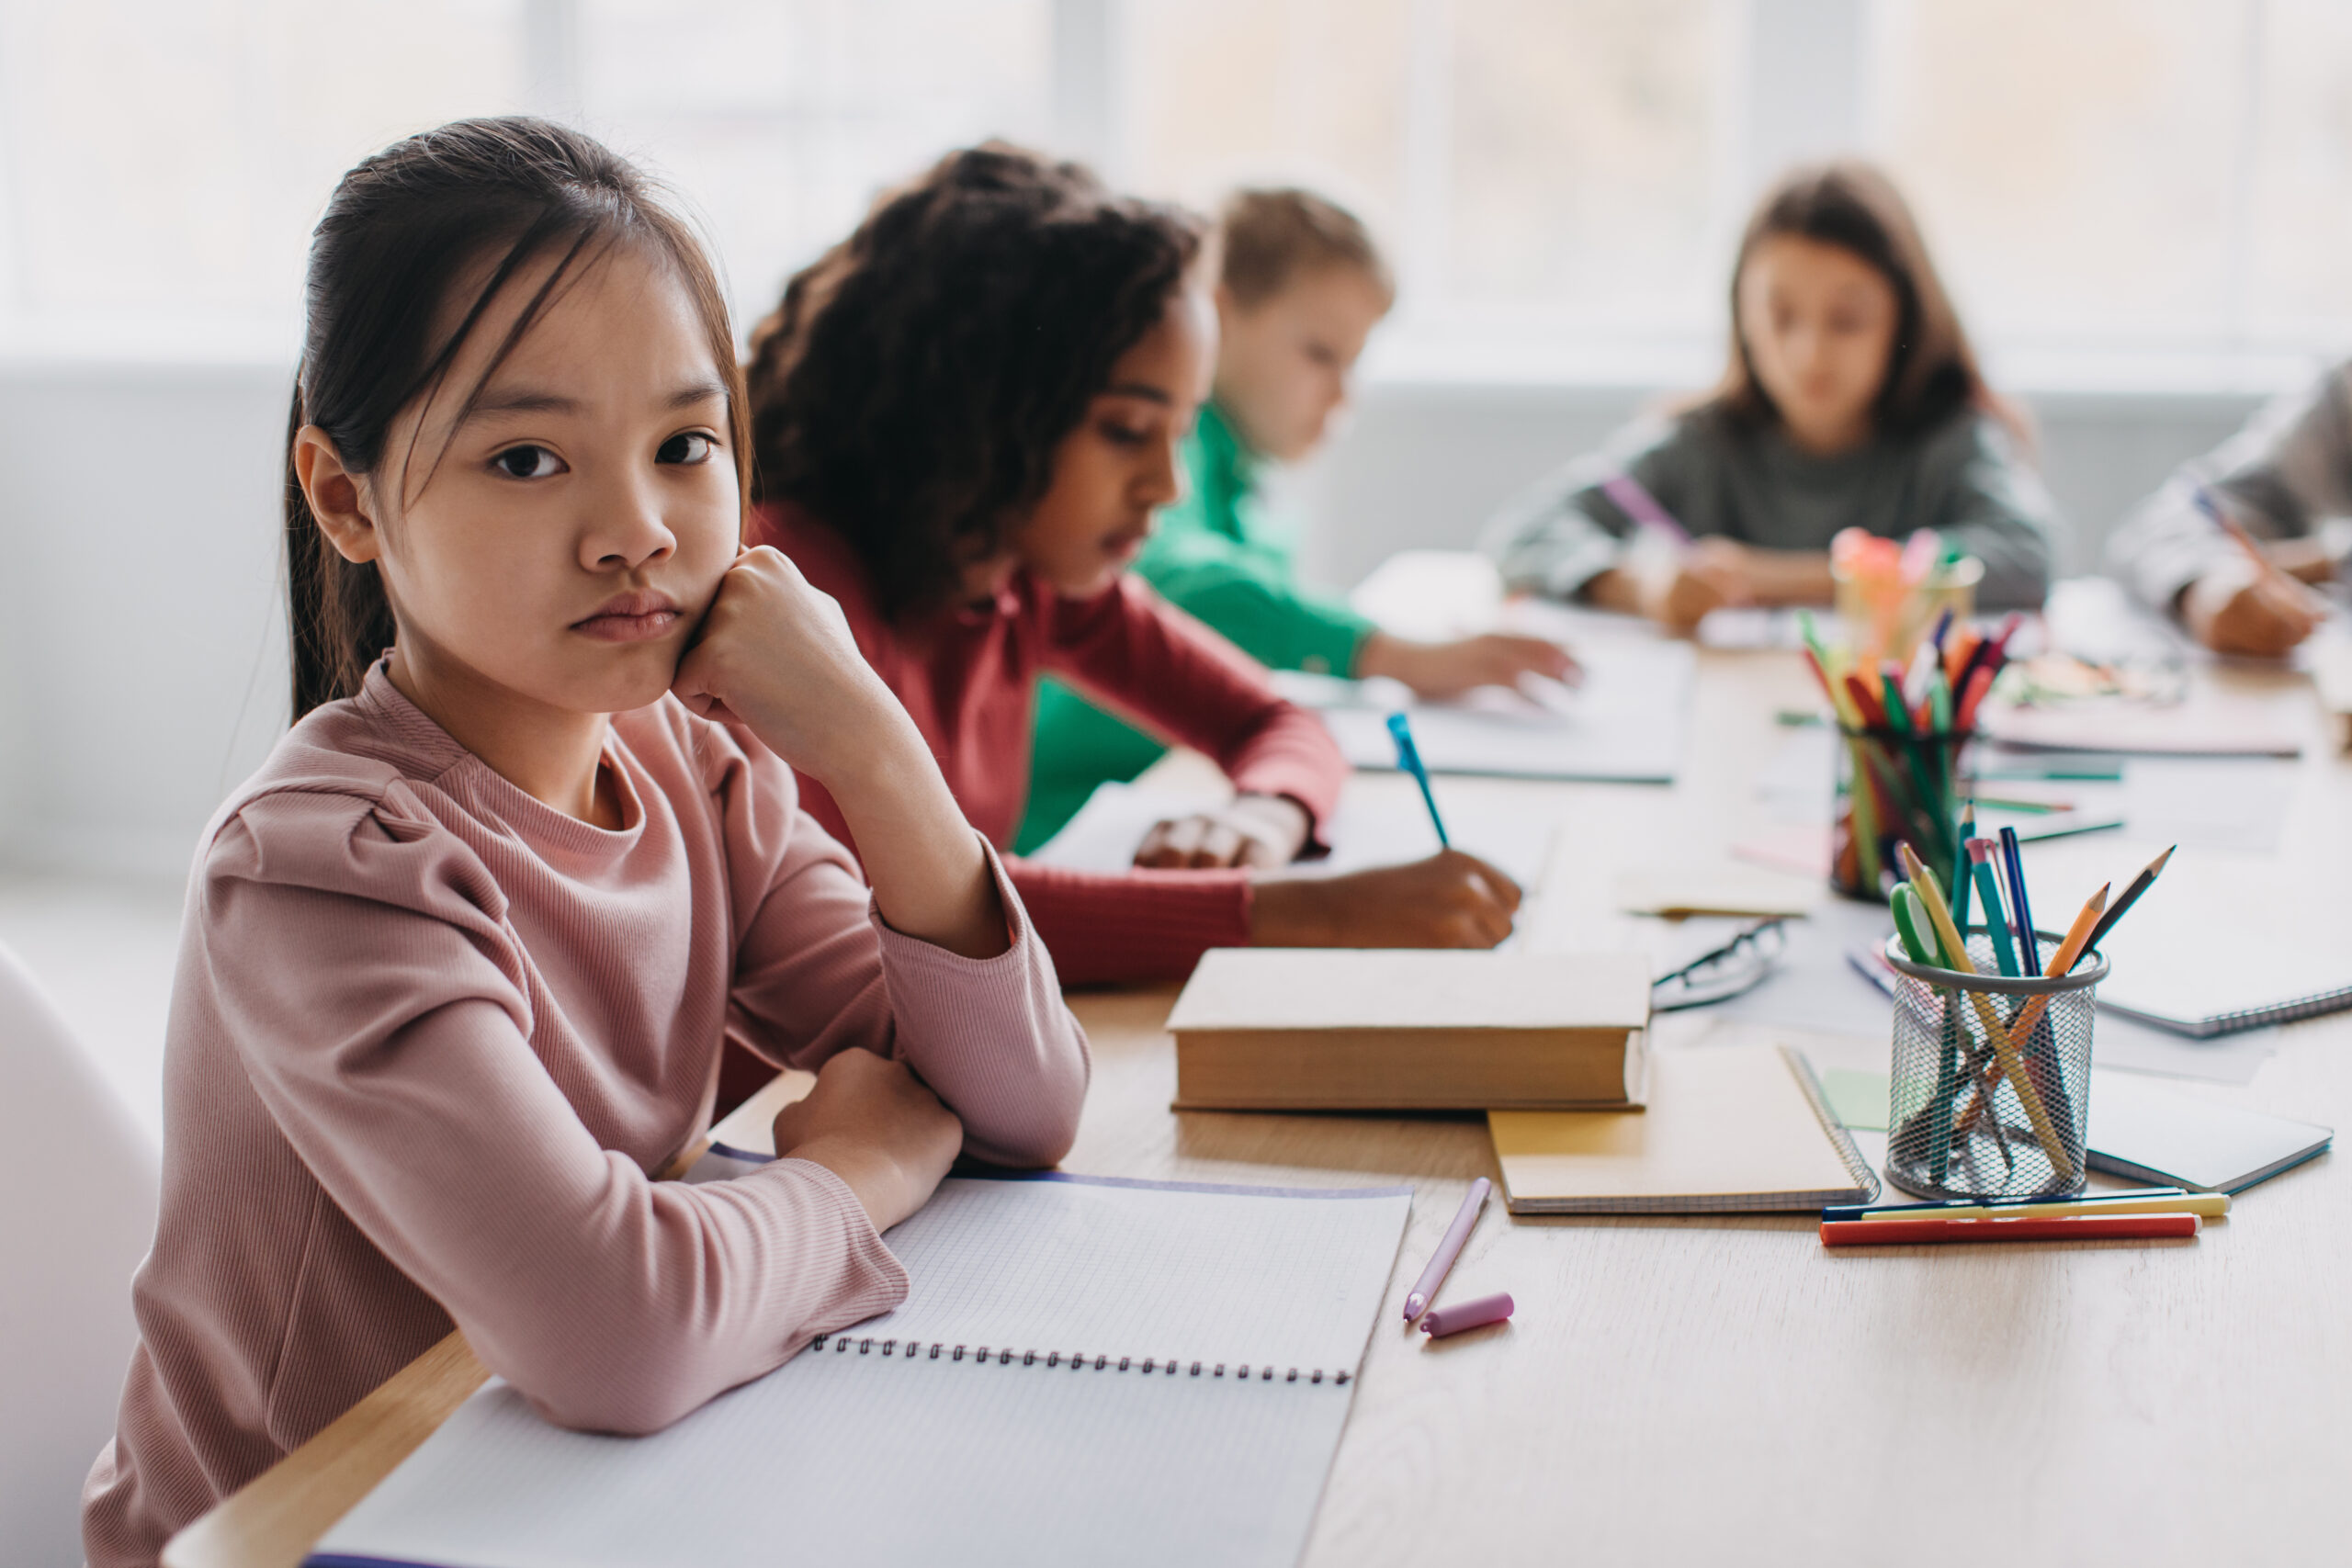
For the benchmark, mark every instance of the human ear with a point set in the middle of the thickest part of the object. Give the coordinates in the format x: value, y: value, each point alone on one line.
x: 338, y: 496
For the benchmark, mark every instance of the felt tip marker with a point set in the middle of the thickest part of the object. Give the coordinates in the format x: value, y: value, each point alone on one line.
x: 1448, y: 1248
x: 1468, y: 1315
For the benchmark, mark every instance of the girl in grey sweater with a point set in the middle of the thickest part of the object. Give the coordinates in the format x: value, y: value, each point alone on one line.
x: 1851, y: 399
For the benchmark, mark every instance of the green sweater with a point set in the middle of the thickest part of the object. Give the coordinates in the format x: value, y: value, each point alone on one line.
x: 1217, y: 554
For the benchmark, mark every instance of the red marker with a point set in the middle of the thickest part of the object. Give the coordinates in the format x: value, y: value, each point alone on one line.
x: 1866, y: 703
x: 2086, y: 1227
x: 1972, y: 699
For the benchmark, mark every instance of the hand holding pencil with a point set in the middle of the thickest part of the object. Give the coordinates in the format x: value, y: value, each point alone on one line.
x: 2247, y: 605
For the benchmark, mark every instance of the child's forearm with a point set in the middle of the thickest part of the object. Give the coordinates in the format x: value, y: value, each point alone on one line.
x: 1789, y: 577
x: 923, y: 859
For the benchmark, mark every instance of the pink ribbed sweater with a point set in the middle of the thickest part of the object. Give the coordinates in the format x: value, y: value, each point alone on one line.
x: 428, y: 1040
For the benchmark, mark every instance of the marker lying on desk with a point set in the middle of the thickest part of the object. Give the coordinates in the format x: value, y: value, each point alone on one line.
x: 2082, y: 1227
x: 2131, y: 1200
x: 1409, y: 757
x: 1468, y: 1315
x: 1448, y: 1248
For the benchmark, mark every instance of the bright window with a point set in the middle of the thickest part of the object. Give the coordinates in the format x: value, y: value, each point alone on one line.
x: 2102, y: 175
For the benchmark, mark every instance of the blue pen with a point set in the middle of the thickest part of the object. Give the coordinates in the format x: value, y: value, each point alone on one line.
x: 1409, y: 757
x: 2013, y: 857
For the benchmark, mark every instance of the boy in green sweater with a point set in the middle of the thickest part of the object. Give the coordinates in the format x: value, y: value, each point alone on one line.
x: 1302, y: 287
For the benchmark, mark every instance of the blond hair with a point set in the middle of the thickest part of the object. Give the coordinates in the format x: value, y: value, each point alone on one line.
x: 1271, y: 236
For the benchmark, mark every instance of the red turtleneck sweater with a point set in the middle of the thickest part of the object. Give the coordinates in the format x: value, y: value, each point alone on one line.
x: 969, y: 677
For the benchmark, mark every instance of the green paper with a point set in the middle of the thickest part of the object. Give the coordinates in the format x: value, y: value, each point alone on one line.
x: 1857, y: 1097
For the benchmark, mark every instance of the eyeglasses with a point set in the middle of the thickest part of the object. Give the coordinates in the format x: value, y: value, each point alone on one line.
x: 1722, y: 973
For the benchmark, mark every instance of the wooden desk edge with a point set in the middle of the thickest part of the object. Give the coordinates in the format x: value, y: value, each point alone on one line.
x: 274, y: 1519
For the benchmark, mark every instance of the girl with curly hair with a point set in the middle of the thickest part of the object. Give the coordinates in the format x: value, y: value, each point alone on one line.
x: 965, y: 415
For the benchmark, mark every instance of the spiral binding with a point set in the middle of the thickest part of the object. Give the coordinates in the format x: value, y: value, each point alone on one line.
x: 1150, y: 1366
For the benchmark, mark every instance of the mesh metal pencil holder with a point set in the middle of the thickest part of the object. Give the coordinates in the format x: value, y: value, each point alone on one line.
x: 1989, y: 1094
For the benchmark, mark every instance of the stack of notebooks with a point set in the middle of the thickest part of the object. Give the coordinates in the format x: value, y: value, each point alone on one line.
x: 1584, y: 1119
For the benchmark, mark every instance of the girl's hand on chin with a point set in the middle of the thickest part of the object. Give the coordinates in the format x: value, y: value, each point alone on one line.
x: 776, y: 654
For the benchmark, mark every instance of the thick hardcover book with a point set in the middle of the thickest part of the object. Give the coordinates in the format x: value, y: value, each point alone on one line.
x: 1311, y: 1029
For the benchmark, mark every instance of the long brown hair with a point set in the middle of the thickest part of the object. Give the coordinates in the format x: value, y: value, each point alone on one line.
x: 912, y: 387
x: 399, y: 230
x: 1931, y: 373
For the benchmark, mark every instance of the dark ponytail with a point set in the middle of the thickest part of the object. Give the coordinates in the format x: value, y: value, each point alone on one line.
x: 399, y: 232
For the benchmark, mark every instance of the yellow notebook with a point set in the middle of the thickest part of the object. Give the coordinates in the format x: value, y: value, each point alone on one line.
x: 1728, y: 1129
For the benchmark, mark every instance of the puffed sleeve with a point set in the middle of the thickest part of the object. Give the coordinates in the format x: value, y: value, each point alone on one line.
x: 360, y: 959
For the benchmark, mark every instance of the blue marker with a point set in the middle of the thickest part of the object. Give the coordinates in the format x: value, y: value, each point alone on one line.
x: 1408, y: 757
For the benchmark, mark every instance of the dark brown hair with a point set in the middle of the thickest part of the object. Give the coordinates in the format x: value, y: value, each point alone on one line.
x: 1931, y: 372
x: 1273, y: 235
x: 912, y: 387
x: 398, y: 234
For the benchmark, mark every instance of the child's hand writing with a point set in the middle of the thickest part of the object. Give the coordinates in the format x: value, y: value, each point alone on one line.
x: 2240, y: 607
x: 873, y: 1124
x: 1449, y: 899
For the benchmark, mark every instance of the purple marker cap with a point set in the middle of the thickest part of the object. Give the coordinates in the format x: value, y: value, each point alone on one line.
x: 1467, y: 1315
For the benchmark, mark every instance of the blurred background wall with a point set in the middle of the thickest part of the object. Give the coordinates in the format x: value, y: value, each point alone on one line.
x: 2144, y: 206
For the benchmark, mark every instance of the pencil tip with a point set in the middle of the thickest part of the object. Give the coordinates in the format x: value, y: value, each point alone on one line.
x: 2158, y: 865
x: 2098, y: 900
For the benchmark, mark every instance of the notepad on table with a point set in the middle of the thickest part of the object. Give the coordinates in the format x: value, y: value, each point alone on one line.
x: 1167, y: 1370
x: 2206, y: 725
x: 1370, y: 827
x: 1354, y: 1029
x: 2223, y: 944
x: 1728, y: 1129
x: 1679, y: 890
x: 1622, y: 724
x: 2157, y: 1135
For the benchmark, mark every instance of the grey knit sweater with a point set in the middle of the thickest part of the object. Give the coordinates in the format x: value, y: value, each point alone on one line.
x: 2287, y: 472
x: 1721, y: 475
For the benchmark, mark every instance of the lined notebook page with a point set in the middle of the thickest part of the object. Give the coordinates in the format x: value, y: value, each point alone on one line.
x: 1112, y: 1270
x: 855, y: 1456
x: 860, y: 1461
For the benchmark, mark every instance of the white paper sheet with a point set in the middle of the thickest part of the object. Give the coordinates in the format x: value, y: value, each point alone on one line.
x: 1370, y: 827
x: 874, y: 1449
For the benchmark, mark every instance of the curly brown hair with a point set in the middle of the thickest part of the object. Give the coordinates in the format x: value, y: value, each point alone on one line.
x: 911, y: 389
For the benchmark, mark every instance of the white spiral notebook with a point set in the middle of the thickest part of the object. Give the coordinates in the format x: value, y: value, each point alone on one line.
x: 1085, y: 1371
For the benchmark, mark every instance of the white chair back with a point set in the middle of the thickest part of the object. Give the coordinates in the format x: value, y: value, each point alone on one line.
x: 79, y: 1216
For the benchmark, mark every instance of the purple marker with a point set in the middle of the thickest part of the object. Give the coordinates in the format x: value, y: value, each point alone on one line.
x: 1468, y: 1315
x: 1634, y: 499
x: 1448, y: 1249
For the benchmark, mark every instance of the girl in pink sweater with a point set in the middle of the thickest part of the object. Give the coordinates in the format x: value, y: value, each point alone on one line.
x: 459, y: 961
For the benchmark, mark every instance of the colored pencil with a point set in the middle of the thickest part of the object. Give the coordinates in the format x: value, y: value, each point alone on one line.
x: 2139, y: 884
x: 1923, y: 882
